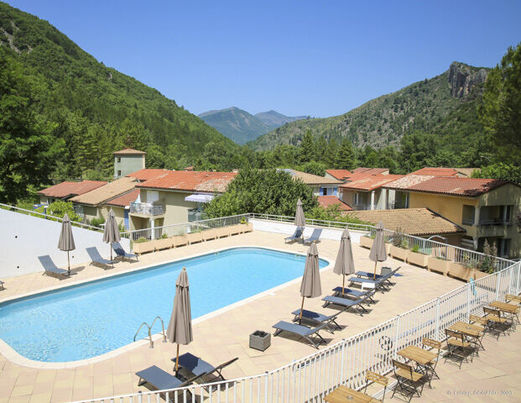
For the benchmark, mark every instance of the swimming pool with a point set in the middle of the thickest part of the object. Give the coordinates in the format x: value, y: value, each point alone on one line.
x: 86, y: 320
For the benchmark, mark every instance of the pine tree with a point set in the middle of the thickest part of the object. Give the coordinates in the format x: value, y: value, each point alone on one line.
x: 346, y: 158
x: 307, y: 148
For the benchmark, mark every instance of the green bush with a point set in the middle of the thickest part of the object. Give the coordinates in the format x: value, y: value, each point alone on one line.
x: 415, y: 248
x: 141, y: 240
x: 96, y: 222
x: 59, y: 208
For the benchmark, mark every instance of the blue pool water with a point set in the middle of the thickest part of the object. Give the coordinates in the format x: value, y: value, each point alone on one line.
x: 87, y: 320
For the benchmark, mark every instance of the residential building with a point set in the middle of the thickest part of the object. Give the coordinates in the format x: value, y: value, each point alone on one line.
x: 121, y: 207
x: 326, y: 201
x: 321, y: 186
x: 485, y: 208
x: 94, y: 203
x: 127, y: 161
x: 175, y: 197
x: 455, y: 172
x: 66, y: 190
x: 421, y: 222
x: 366, y: 192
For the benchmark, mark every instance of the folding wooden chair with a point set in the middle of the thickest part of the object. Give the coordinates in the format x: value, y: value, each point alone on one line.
x: 495, y: 322
x: 458, y: 346
x: 372, y: 377
x: 410, y: 382
x: 435, y: 346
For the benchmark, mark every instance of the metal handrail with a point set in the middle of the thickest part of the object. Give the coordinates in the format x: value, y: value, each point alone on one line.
x: 162, y: 327
x: 149, y: 333
x: 149, y: 328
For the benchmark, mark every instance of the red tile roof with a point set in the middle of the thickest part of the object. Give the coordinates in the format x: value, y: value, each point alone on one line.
x: 124, y: 200
x: 435, y: 172
x: 69, y: 189
x: 191, y: 181
x: 371, y: 171
x: 146, y: 174
x: 369, y: 183
x: 470, y: 187
x: 339, y: 173
x: 407, y: 181
x: 325, y: 201
x: 129, y: 151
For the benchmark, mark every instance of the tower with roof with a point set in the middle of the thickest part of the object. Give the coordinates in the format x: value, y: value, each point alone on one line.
x: 127, y: 161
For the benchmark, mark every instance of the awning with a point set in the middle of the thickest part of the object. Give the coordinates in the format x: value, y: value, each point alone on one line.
x: 199, y: 198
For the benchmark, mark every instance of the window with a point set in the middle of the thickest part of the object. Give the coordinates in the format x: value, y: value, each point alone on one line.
x: 324, y: 191
x: 356, y: 199
x: 468, y: 215
x: 119, y: 159
x: 119, y: 172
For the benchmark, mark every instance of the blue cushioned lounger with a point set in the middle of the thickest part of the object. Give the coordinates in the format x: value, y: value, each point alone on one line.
x: 352, y: 293
x: 317, y: 317
x: 160, y: 379
x: 346, y: 303
x: 315, y: 236
x: 200, y: 367
x: 302, y: 331
x: 120, y: 252
x: 97, y: 259
x: 296, y: 236
x: 50, y: 268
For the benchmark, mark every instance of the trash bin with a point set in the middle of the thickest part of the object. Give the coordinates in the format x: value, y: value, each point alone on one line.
x: 260, y: 340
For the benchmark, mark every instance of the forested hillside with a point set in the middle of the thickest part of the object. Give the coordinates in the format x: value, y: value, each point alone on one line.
x: 444, y: 106
x: 93, y: 110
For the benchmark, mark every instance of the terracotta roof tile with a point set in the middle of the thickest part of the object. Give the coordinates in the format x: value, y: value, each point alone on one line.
x: 339, y: 173
x: 325, y: 201
x: 310, y: 179
x: 125, y: 199
x: 191, y: 181
x: 436, y: 172
x: 129, y: 151
x: 106, y: 192
x: 148, y: 173
x: 414, y: 221
x: 369, y: 183
x: 371, y: 171
x: 407, y: 181
x: 470, y: 187
x: 68, y: 189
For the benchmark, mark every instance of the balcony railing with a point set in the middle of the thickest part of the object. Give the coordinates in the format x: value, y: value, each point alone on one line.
x: 146, y: 209
x: 495, y: 221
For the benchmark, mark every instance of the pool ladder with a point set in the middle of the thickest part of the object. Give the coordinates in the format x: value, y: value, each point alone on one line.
x: 149, y: 327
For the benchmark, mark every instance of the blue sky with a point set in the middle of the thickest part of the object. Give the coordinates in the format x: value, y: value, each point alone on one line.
x: 318, y: 58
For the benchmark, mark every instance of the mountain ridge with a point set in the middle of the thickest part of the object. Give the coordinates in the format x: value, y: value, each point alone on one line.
x: 424, y: 105
x: 241, y: 126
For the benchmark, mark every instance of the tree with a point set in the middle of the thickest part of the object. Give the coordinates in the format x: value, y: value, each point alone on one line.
x: 500, y: 170
x: 330, y: 157
x: 27, y: 148
x: 313, y: 167
x: 500, y: 112
x: 307, y: 148
x: 60, y: 207
x: 262, y: 191
x: 346, y: 158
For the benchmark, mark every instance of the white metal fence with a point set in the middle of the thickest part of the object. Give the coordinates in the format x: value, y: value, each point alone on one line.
x: 310, y: 378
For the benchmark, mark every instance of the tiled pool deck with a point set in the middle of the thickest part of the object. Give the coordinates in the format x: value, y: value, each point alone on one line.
x: 219, y: 337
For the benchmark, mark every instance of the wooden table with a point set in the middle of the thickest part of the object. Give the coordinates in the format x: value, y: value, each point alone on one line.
x: 343, y: 394
x: 417, y: 354
x: 505, y: 307
x: 469, y: 330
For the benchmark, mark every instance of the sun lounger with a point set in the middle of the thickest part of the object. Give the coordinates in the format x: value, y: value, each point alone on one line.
x: 97, y: 259
x: 386, y: 277
x: 200, y: 367
x: 379, y: 284
x: 305, y: 332
x: 347, y: 303
x: 296, y: 236
x: 159, y: 379
x: 2, y: 285
x: 50, y: 268
x: 317, y: 317
x: 315, y: 236
x: 352, y: 293
x: 120, y: 252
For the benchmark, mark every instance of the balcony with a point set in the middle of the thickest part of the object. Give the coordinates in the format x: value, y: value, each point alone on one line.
x: 495, y: 221
x: 147, y: 209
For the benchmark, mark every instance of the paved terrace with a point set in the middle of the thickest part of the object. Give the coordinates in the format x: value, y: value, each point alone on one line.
x: 217, y: 338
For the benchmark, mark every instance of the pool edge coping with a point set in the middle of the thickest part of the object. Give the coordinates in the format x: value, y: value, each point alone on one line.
x: 13, y: 356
